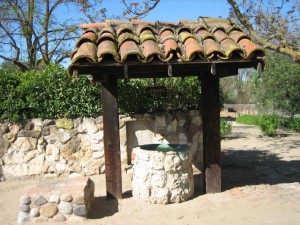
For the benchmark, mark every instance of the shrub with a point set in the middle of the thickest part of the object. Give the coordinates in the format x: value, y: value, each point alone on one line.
x: 49, y: 93
x: 269, y: 124
x: 248, y: 119
x: 295, y: 124
x: 183, y: 94
x: 225, y: 127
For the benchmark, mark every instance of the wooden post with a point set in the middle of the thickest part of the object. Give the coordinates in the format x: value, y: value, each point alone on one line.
x: 111, y: 138
x: 211, y: 133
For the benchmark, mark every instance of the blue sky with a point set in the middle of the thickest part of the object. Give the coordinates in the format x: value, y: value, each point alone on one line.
x: 174, y: 10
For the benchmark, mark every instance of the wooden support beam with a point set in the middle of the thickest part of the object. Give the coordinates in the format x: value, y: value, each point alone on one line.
x: 211, y: 133
x: 111, y: 138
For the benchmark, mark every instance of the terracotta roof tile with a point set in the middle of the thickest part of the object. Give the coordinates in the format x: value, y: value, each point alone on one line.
x: 205, y: 39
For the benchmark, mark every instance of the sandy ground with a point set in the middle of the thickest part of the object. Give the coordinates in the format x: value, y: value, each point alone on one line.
x: 260, y: 182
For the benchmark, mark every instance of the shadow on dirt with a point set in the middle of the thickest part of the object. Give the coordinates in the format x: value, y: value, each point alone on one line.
x: 103, y: 207
x: 253, y: 167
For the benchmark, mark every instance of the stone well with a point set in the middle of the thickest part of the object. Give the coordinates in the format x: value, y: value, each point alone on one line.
x: 162, y: 173
x: 57, y: 200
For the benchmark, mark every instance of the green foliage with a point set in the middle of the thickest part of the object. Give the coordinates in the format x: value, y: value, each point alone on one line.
x: 269, y: 124
x: 295, y: 124
x: 248, y: 119
x: 225, y: 127
x: 49, y: 93
x: 181, y: 94
x: 278, y: 88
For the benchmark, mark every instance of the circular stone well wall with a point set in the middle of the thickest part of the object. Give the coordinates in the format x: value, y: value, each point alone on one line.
x: 162, y: 173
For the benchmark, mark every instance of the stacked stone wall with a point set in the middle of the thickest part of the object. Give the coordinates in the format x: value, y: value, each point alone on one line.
x: 58, y: 148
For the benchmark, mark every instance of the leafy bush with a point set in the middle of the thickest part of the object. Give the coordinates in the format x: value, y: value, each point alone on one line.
x: 295, y: 124
x: 49, y: 93
x: 269, y: 124
x: 225, y: 127
x: 248, y: 119
x: 181, y: 94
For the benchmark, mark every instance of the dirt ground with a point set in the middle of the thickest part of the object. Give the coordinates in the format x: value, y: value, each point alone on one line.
x: 260, y: 185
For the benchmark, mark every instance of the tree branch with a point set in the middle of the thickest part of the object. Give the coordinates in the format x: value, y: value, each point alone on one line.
x: 261, y: 40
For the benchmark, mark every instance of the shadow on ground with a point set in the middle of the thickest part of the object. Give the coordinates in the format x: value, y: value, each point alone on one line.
x: 253, y: 167
x: 103, y: 207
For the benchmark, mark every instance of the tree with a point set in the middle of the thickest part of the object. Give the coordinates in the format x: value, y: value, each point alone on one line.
x: 273, y: 24
x: 238, y: 89
x: 32, y: 36
x: 278, y: 88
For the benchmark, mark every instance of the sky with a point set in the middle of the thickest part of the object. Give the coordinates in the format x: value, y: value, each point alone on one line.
x: 174, y: 10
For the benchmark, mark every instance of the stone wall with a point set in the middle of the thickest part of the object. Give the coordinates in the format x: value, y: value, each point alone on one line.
x: 58, y: 148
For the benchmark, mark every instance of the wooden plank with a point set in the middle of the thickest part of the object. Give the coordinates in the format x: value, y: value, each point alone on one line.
x: 211, y: 133
x: 111, y: 138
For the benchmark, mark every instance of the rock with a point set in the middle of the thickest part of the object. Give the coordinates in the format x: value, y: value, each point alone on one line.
x: 39, y: 201
x: 59, y: 218
x: 98, y: 154
x: 70, y: 148
x: 29, y: 133
x: 76, y: 219
x: 75, y: 175
x: 96, y: 138
x: 79, y: 210
x: 3, y: 128
x: 65, y: 207
x: 10, y: 137
x: 65, y: 124
x: 97, y: 147
x: 3, y: 146
x: 79, y: 200
x: 26, y: 143
x: 65, y: 135
x: 54, y: 199
x: 34, y: 212
x: 14, y: 129
x: 28, y: 126
x: 17, y: 170
x: 45, y: 131
x: 35, y: 165
x: 29, y: 156
x: 60, y: 167
x: 66, y: 198
x: 38, y: 124
x: 89, y: 125
x: 48, y: 122
x: 77, y: 124
x: 23, y: 218
x: 45, y: 167
x: 24, y: 208
x: 49, y: 210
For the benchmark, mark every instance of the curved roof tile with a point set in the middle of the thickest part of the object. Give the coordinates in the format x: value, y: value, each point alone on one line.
x: 205, y: 39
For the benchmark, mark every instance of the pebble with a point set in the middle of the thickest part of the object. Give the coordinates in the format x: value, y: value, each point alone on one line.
x: 25, y: 200
x: 23, y: 218
x: 34, y: 212
x: 39, y: 201
x: 79, y: 200
x: 59, y: 218
x: 65, y: 207
x: 66, y: 198
x: 79, y: 210
x: 24, y: 208
x: 49, y: 210
x: 54, y: 199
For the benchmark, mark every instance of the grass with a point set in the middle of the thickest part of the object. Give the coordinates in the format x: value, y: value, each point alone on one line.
x: 248, y: 119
